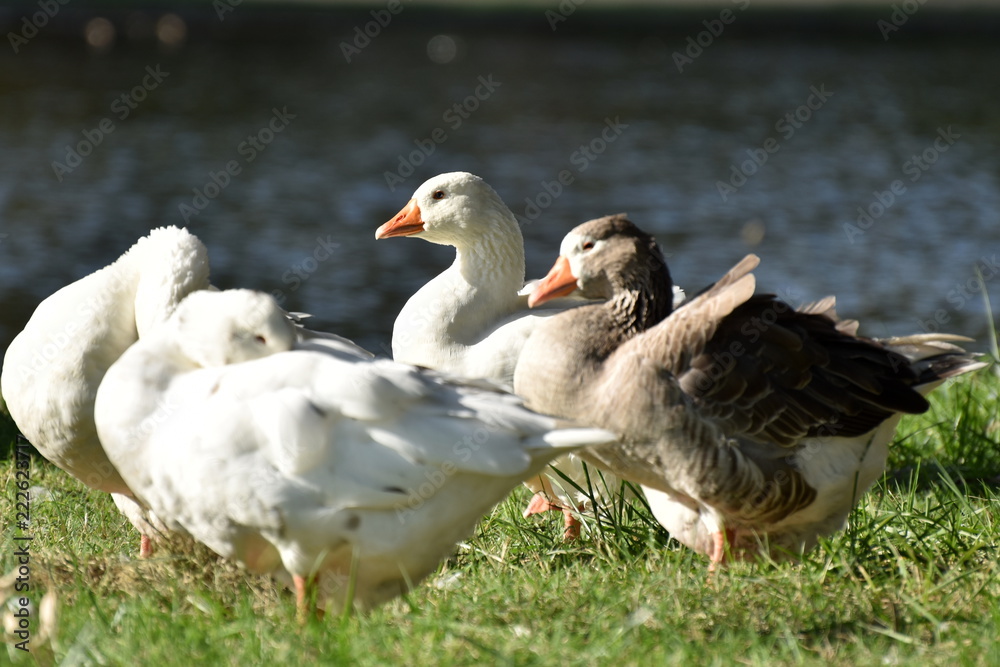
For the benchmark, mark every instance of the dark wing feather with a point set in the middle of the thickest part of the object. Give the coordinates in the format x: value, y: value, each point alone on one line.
x: 807, y: 375
x: 751, y: 372
x: 733, y: 392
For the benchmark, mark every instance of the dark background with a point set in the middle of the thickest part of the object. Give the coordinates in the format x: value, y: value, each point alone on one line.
x: 322, y: 180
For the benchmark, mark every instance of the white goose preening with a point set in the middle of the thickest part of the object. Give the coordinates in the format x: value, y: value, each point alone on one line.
x: 753, y: 423
x: 473, y: 319
x: 52, y: 369
x: 298, y: 458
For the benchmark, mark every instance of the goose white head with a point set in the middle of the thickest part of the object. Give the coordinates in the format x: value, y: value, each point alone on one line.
x: 219, y: 328
x: 456, y: 209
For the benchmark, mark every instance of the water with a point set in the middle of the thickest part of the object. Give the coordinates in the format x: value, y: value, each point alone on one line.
x: 322, y: 179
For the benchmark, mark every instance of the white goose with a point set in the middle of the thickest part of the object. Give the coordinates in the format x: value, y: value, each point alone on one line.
x: 470, y: 320
x: 757, y: 425
x: 52, y: 369
x: 298, y: 458
x: 473, y: 319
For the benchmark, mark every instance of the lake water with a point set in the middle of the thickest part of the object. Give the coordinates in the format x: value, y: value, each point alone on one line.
x: 907, y: 130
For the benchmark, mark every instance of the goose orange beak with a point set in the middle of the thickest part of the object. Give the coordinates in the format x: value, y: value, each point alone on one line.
x: 406, y: 223
x: 559, y: 281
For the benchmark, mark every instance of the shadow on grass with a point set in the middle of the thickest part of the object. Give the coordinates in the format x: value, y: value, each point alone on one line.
x: 930, y: 476
x: 9, y: 438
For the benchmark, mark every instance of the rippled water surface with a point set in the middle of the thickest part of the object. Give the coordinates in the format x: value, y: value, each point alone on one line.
x: 322, y: 180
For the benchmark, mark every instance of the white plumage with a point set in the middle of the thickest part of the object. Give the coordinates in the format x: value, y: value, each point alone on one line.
x: 302, y: 459
x: 53, y: 368
x: 473, y: 319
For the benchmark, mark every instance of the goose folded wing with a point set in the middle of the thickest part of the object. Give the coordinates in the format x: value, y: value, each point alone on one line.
x: 374, y: 432
x: 778, y: 375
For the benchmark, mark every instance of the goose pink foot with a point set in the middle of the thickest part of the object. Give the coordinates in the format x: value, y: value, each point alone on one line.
x: 145, y: 547
x: 539, y: 504
x: 571, y: 525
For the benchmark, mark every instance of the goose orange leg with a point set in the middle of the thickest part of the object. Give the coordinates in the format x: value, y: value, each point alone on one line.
x: 145, y: 546
x: 719, y: 540
x: 303, y: 603
x: 302, y: 586
x: 571, y: 525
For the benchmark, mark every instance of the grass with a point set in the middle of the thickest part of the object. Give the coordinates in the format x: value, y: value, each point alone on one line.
x: 915, y: 579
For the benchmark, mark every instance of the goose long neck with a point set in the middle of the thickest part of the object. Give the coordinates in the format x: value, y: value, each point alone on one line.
x: 641, y: 303
x: 165, y: 274
x: 495, y: 260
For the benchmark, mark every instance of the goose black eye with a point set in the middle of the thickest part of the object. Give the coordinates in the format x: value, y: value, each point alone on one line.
x: 260, y: 339
x: 438, y: 194
x: 588, y: 245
